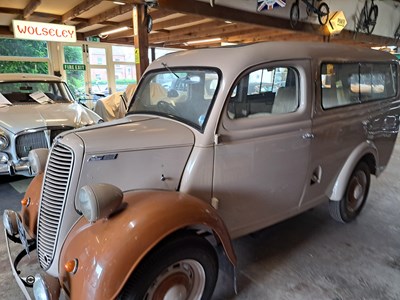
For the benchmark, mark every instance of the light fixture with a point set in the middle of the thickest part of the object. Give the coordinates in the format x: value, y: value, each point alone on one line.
x: 119, y: 3
x: 203, y: 41
x: 104, y: 34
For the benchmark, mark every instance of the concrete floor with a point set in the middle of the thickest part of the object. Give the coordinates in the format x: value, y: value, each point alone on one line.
x: 307, y: 257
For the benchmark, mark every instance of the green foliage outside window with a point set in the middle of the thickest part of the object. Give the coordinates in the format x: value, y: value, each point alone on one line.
x: 23, y: 48
x: 24, y: 67
x: 75, y: 79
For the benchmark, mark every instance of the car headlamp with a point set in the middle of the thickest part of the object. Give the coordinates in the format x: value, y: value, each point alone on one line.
x: 4, y: 158
x: 4, y: 141
x: 10, y: 222
x: 37, y: 160
x: 100, y: 200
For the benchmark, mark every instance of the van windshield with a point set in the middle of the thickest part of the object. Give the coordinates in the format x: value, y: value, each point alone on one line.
x: 183, y: 94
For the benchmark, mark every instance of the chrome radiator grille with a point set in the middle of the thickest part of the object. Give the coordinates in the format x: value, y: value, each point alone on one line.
x: 53, y: 198
x: 28, y: 141
x: 37, y: 139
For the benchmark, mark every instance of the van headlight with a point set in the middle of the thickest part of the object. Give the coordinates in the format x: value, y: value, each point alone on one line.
x: 4, y: 141
x: 37, y: 160
x: 100, y: 200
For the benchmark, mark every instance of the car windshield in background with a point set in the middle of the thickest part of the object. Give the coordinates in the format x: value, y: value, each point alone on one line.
x: 33, y: 92
x: 183, y: 94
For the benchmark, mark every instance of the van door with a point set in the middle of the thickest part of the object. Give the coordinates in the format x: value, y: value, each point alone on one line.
x: 262, y: 153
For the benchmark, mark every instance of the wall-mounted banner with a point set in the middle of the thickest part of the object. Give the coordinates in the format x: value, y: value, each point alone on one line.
x: 44, y: 31
x: 269, y: 4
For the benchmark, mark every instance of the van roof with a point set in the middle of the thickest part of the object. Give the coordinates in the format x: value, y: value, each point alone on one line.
x: 243, y: 56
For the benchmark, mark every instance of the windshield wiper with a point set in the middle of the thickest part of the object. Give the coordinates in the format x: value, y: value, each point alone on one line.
x: 172, y: 72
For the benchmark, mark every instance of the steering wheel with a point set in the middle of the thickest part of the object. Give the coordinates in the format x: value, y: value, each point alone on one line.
x: 167, y: 107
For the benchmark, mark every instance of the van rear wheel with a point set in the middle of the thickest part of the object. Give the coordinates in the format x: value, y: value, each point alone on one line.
x: 184, y: 268
x: 350, y: 206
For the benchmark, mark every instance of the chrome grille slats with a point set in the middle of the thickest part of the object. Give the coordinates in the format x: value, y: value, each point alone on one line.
x: 29, y: 140
x: 54, y: 194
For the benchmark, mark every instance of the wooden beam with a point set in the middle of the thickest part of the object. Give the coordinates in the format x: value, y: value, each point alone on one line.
x: 129, y: 1
x: 96, y: 32
x: 109, y: 14
x: 14, y: 11
x: 5, y: 31
x: 118, y: 35
x: 79, y: 9
x: 30, y: 8
x: 211, y: 29
x: 141, y: 39
x: 225, y: 13
x: 11, y: 11
x: 177, y: 22
x: 160, y: 13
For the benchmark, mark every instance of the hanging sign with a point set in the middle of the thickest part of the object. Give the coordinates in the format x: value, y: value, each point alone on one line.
x: 337, y: 22
x: 269, y: 4
x: 43, y: 31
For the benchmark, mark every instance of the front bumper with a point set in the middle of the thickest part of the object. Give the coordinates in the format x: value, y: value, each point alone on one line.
x: 22, y: 167
x: 24, y: 281
x: 26, y: 278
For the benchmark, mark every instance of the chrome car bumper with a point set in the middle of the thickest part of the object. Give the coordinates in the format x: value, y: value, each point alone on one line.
x: 21, y: 168
x: 24, y: 283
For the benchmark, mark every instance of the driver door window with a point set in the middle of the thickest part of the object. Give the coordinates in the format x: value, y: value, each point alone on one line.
x: 265, y: 92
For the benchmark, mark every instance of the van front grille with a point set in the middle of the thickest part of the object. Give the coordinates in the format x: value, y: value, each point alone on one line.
x: 54, y: 194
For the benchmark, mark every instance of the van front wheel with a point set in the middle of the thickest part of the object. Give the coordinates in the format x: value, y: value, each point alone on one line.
x: 350, y: 206
x: 184, y: 268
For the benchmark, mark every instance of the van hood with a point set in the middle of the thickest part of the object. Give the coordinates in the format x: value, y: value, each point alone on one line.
x: 135, y: 133
x: 139, y: 152
x: 21, y: 117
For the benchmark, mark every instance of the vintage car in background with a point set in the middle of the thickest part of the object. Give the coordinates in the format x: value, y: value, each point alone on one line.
x: 145, y: 207
x: 34, y: 109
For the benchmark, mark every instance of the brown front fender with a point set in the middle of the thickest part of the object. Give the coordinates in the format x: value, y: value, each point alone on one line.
x: 29, y: 212
x: 108, y: 251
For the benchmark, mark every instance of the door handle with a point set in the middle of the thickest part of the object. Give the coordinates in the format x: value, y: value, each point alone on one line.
x: 308, y: 136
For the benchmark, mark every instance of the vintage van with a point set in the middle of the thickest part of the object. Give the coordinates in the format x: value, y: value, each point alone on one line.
x: 145, y: 207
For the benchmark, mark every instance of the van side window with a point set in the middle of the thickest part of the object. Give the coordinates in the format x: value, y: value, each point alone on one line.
x: 264, y: 92
x: 350, y: 83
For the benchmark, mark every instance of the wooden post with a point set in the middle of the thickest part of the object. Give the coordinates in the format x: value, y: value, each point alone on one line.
x: 141, y: 39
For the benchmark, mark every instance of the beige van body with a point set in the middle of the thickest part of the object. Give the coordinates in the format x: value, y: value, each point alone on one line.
x: 217, y: 143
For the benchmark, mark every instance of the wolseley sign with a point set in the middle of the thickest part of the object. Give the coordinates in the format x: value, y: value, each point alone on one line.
x: 44, y: 31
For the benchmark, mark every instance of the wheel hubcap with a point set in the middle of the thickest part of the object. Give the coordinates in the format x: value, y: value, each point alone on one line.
x: 182, y: 280
x: 356, y: 191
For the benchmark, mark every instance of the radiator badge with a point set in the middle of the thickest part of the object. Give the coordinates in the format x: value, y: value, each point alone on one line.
x: 103, y: 157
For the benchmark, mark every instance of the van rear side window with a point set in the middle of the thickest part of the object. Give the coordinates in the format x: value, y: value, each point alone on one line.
x: 345, y: 84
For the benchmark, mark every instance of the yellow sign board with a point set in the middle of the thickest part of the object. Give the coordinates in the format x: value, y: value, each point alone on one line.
x: 137, y: 56
x: 337, y: 22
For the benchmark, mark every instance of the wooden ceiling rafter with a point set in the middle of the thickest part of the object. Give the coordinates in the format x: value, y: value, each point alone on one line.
x: 15, y: 11
x: 79, y: 9
x: 30, y: 8
x: 96, y: 32
x: 105, y: 16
